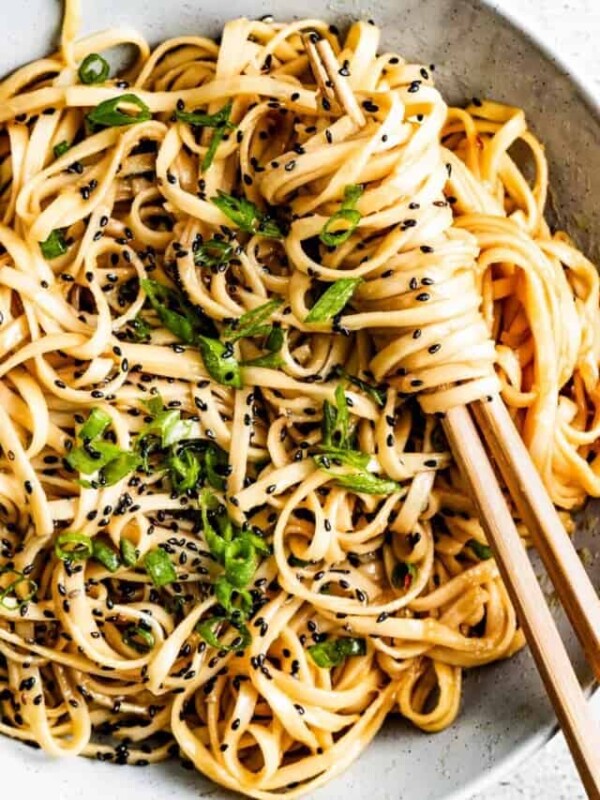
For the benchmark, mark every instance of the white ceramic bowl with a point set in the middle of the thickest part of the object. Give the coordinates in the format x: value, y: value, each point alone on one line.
x: 505, y: 715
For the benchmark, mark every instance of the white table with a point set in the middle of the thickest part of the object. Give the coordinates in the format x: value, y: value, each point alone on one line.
x: 571, y: 27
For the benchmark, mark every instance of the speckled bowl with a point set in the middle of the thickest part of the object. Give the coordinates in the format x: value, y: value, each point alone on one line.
x: 505, y: 715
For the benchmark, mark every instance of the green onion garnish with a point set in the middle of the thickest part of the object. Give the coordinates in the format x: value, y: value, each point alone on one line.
x: 137, y: 330
x: 219, y: 121
x: 252, y: 323
x: 110, y: 113
x: 106, y: 555
x: 118, y: 468
x: 268, y: 361
x: 54, y: 246
x: 339, y: 456
x: 176, y: 313
x: 366, y: 483
x: 374, y: 392
x: 246, y: 215
x: 95, y: 425
x: 138, y: 638
x: 73, y: 546
x: 19, y: 590
x: 335, y: 427
x: 129, y: 554
x: 201, y: 120
x: 482, y: 551
x: 237, y: 602
x: 343, y: 223
x: 215, y: 459
x: 240, y: 561
x: 159, y: 567
x: 167, y: 424
x: 220, y: 362
x: 185, y: 469
x: 61, y: 148
x: 208, y: 631
x: 213, y: 253
x: 334, y: 651
x: 333, y: 300
x: 93, y: 69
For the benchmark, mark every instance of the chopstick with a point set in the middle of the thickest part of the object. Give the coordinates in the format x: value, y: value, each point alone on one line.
x: 333, y: 86
x: 543, y: 638
x: 556, y: 549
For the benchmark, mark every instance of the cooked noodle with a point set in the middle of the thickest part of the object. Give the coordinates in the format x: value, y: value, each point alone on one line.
x: 465, y: 291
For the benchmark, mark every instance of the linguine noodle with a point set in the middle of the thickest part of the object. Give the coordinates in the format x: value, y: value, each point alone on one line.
x: 231, y: 316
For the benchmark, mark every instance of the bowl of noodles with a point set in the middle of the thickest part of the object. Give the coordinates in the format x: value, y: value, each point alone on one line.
x: 233, y: 537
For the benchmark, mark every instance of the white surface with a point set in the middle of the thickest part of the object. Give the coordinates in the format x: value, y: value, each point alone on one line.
x: 571, y: 29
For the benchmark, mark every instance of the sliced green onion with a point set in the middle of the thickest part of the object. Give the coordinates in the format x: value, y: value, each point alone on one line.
x: 61, y: 148
x: 208, y: 631
x: 185, y: 469
x: 275, y: 339
x: 129, y: 554
x: 169, y: 426
x: 18, y: 592
x: 403, y: 575
x: 201, y: 120
x: 352, y: 194
x: 73, y: 546
x: 93, y: 69
x: 347, y: 217
x: 240, y: 561
x: 215, y: 459
x: 246, y: 215
x: 138, y: 638
x: 54, y: 246
x: 215, y: 543
x: 213, y: 253
x: 334, y: 651
x: 268, y: 361
x: 93, y: 457
x: 118, y: 468
x: 333, y: 301
x: 340, y: 456
x: 236, y: 602
x: 252, y: 323
x: 258, y: 543
x: 220, y: 362
x: 365, y: 483
x: 219, y: 121
x: 159, y: 567
x: 106, y: 555
x: 176, y: 313
x: 340, y: 227
x: 335, y: 427
x: 138, y: 330
x: 482, y: 551
x: 109, y: 113
x: 374, y: 392
x: 95, y: 425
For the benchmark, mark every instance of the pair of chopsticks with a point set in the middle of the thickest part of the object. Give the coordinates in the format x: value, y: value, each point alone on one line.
x: 558, y: 554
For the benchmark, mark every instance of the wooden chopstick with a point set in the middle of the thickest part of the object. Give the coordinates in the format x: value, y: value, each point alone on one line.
x: 557, y: 551
x: 548, y: 650
x: 552, y: 660
x: 332, y: 85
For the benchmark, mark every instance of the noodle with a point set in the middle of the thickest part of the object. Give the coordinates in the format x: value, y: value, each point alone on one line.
x: 231, y: 528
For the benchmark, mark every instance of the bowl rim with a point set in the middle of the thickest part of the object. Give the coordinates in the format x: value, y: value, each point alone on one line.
x: 524, y: 24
